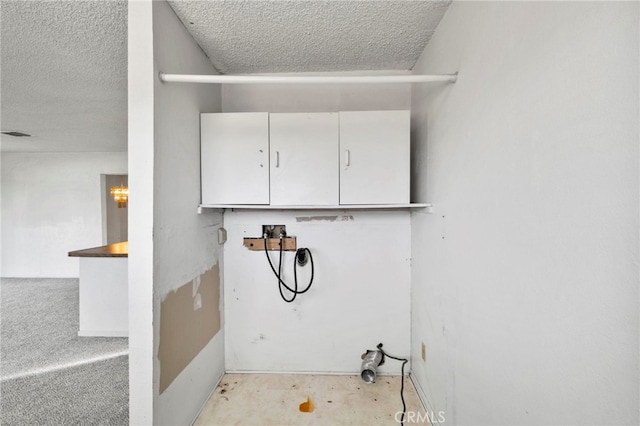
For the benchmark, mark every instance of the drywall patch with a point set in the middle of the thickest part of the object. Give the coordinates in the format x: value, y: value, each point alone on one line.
x: 344, y: 218
x: 189, y: 318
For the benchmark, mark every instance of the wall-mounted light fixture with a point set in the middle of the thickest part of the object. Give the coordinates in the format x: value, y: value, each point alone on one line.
x: 120, y: 195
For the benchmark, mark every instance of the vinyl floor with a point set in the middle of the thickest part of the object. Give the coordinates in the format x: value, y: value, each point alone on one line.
x: 296, y: 399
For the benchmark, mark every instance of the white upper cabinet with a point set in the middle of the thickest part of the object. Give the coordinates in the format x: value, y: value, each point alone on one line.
x: 356, y: 158
x: 304, y: 159
x: 235, y: 158
x: 374, y: 157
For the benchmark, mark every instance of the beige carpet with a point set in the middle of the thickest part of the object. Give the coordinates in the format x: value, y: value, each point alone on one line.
x: 275, y: 399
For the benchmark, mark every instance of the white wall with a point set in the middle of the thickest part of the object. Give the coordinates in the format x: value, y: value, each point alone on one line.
x: 360, y: 296
x: 525, y: 277
x: 170, y: 244
x: 141, y: 201
x: 185, y: 243
x: 51, y: 204
x: 317, y: 97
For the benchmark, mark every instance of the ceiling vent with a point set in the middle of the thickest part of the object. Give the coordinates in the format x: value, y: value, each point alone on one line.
x: 16, y: 134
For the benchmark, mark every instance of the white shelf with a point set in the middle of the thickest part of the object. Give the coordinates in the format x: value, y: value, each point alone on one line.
x: 340, y: 207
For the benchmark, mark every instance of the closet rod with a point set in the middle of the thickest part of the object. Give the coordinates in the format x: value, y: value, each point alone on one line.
x: 293, y: 79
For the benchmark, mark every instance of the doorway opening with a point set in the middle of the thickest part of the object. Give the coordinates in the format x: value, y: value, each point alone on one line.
x: 114, y: 219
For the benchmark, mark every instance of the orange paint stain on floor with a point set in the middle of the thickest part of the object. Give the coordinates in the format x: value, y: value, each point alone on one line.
x: 307, y: 407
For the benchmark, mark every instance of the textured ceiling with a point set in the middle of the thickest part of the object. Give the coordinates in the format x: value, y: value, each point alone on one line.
x: 64, y: 62
x: 302, y: 36
x: 64, y: 75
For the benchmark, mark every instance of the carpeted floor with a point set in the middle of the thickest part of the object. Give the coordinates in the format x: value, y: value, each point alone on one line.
x: 49, y: 375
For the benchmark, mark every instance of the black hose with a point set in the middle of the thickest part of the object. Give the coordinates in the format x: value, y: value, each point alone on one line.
x: 404, y: 361
x: 278, y: 273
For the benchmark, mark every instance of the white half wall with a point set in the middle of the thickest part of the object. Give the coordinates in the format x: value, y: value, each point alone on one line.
x: 525, y: 277
x: 51, y: 204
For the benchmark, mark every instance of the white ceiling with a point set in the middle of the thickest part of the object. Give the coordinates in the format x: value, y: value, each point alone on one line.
x: 64, y: 63
x: 64, y: 75
x: 305, y: 36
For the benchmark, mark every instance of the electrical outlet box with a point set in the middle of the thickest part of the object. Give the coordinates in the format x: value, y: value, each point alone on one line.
x: 424, y: 352
x: 222, y: 236
x: 274, y: 231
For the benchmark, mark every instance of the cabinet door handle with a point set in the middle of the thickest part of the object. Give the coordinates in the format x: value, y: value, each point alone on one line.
x: 277, y: 159
x: 348, y: 157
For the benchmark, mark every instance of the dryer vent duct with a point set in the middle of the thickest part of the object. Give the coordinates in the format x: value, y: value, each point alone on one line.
x: 370, y: 362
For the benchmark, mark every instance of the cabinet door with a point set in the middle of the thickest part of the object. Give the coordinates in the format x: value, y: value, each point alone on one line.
x: 304, y: 159
x: 374, y: 157
x: 235, y: 158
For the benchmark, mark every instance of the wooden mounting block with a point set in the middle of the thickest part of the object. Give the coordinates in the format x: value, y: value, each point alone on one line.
x: 255, y: 244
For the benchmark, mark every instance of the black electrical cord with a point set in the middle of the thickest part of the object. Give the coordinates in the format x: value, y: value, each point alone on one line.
x: 278, y: 274
x: 404, y: 361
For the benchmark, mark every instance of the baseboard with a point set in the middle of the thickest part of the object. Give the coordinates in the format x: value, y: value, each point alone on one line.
x: 103, y: 333
x: 426, y: 404
x: 204, y: 404
x: 319, y: 373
